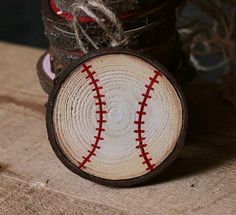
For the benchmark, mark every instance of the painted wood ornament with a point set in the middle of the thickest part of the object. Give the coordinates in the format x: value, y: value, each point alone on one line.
x: 114, y: 115
x: 116, y: 118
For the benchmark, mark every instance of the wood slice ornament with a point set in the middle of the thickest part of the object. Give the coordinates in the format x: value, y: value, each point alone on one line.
x: 116, y: 118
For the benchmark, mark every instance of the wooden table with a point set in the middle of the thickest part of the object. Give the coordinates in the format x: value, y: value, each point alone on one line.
x: 33, y: 181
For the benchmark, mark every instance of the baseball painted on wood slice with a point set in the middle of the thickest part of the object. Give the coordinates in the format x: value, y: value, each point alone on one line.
x: 116, y: 118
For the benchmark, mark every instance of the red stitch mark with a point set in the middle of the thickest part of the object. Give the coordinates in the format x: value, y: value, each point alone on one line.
x: 140, y: 131
x: 100, y: 112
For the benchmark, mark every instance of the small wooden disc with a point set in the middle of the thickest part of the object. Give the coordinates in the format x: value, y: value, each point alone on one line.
x: 45, y: 73
x: 116, y: 118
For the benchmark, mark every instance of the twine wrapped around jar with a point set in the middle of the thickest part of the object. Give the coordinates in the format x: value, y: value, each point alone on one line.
x: 146, y: 26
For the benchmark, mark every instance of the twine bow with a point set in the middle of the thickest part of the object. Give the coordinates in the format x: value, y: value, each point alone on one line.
x: 105, y: 19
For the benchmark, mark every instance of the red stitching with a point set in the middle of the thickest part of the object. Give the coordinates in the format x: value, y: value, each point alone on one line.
x: 100, y: 112
x: 140, y: 131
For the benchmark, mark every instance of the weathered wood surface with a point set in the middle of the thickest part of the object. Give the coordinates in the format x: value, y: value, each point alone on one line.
x: 33, y: 181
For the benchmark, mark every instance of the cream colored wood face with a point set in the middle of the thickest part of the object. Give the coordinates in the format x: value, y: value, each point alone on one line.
x: 117, y: 117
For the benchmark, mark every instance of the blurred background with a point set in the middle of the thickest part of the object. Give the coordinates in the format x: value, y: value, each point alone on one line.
x: 21, y: 23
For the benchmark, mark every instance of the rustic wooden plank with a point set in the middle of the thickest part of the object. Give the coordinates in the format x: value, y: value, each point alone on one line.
x: 201, y: 181
x: 35, y: 198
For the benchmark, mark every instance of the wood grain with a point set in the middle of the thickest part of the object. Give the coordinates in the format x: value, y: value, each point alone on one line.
x: 116, y: 118
x: 33, y: 180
